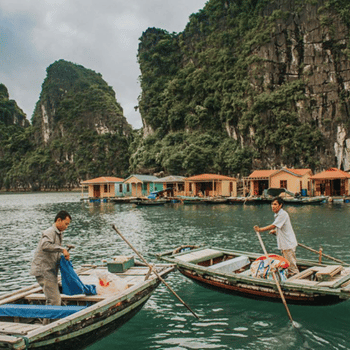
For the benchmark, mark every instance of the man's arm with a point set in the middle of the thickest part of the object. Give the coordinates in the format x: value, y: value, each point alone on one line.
x: 270, y: 228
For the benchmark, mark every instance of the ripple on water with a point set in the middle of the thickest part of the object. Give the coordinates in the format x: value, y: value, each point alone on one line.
x: 226, y: 321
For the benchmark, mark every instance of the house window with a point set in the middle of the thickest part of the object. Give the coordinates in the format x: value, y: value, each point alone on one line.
x: 301, y: 185
x: 190, y: 187
x: 283, y: 183
x: 120, y: 188
x: 106, y: 188
x: 127, y: 187
x: 231, y: 186
x: 144, y: 187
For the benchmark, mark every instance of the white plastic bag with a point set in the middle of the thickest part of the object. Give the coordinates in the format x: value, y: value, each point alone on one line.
x: 109, y: 284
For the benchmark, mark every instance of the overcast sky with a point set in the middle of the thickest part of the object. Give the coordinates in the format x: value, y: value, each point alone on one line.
x: 101, y: 35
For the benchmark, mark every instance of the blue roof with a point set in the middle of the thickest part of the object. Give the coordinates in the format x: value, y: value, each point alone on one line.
x: 143, y: 178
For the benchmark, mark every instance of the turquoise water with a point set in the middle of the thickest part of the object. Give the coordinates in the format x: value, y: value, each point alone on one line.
x: 226, y: 322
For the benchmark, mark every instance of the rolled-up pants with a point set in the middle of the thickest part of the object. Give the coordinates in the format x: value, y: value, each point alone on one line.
x: 289, y: 254
x: 51, y: 291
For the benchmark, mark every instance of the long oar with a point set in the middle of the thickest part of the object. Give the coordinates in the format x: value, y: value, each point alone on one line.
x: 325, y: 255
x: 275, y: 278
x: 317, y: 252
x: 151, y: 268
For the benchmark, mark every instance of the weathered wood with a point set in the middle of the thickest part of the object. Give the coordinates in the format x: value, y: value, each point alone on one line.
x: 275, y: 278
x: 201, y: 255
x: 9, y: 340
x: 22, y: 290
x: 79, y: 297
x: 341, y: 281
x: 112, y: 310
x: 326, y: 273
x: 299, y: 289
x: 17, y: 328
x: 304, y: 274
x: 155, y: 272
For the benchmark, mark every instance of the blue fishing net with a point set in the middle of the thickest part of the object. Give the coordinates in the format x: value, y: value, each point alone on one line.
x: 71, y: 283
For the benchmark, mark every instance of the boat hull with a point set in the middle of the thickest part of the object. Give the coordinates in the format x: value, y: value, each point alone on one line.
x: 231, y: 272
x: 260, y: 293
x: 108, y: 325
x: 102, y: 315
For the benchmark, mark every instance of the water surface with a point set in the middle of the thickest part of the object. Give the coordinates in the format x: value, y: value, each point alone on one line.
x: 226, y: 322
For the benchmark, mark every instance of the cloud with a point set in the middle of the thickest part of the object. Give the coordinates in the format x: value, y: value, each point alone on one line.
x: 100, y: 35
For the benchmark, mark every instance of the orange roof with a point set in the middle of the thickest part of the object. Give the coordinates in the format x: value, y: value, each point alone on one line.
x: 261, y: 173
x: 299, y: 171
x: 209, y: 177
x: 102, y: 180
x: 268, y: 173
x: 331, y: 173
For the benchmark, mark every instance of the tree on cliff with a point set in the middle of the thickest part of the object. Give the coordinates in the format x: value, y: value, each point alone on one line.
x: 268, y: 78
x: 78, y: 132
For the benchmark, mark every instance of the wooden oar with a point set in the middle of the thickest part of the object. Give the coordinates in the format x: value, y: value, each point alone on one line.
x: 275, y: 278
x: 153, y: 270
x: 325, y: 255
x: 320, y: 253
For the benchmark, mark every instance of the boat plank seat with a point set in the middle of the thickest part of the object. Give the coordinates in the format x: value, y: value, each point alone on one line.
x: 200, y: 255
x: 6, y: 339
x: 326, y: 273
x: 304, y: 274
x: 17, y: 328
x: 64, y: 297
x: 231, y: 265
x: 38, y: 311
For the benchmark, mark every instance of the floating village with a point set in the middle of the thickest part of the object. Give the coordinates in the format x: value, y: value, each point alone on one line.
x: 296, y: 186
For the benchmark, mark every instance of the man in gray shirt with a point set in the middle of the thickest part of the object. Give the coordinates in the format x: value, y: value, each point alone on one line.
x: 47, y: 258
x: 282, y: 228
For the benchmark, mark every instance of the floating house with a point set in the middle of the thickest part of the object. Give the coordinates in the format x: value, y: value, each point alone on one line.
x: 141, y: 185
x: 331, y: 182
x: 103, y: 187
x: 174, y: 184
x: 293, y: 180
x: 211, y: 185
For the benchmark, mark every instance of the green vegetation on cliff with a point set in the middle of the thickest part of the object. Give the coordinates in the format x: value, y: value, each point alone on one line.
x: 214, y: 81
x: 78, y: 132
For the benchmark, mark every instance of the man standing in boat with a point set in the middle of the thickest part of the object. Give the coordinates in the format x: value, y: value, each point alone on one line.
x: 282, y: 228
x: 47, y: 258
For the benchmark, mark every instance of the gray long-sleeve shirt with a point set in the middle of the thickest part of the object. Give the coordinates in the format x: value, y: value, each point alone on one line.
x: 47, y: 255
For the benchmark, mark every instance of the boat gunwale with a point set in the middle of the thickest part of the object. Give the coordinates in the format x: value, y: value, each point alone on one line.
x: 104, y: 305
x: 236, y: 277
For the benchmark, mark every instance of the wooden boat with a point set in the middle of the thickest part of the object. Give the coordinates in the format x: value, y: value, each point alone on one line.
x: 191, y: 200
x: 304, y: 200
x: 149, y: 202
x: 85, y: 319
x: 247, y: 200
x: 229, y: 271
x: 215, y: 200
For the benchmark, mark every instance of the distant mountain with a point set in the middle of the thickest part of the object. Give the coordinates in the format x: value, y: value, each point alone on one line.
x: 248, y: 84
x: 78, y: 132
x: 10, y: 113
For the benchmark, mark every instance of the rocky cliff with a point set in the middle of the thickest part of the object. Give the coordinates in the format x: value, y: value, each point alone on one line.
x: 78, y: 132
x: 10, y: 113
x: 74, y: 98
x: 271, y: 76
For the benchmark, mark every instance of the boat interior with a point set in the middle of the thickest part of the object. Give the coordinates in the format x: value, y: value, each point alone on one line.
x: 24, y: 310
x: 322, y: 275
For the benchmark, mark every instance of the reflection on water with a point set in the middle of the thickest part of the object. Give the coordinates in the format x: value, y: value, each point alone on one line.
x: 226, y: 322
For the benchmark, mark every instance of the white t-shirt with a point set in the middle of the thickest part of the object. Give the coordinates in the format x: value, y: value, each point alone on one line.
x: 285, y: 235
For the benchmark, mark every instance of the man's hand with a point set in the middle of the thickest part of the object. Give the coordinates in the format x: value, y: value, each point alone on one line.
x: 257, y: 228
x: 272, y: 232
x: 66, y: 254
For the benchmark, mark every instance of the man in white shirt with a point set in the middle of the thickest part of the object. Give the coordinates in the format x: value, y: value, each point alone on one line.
x: 282, y: 228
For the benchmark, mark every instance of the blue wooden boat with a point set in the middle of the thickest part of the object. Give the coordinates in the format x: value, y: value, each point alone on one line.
x: 82, y: 320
